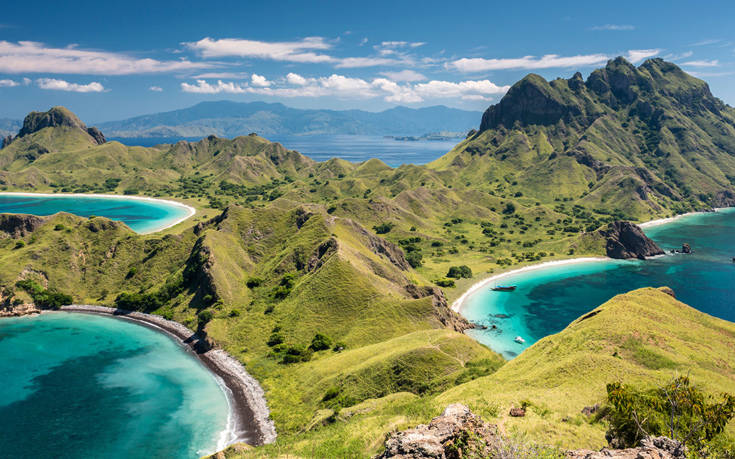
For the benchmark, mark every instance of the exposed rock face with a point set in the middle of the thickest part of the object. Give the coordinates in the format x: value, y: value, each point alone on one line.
x: 57, y: 117
x: 456, y: 433
x: 442, y: 311
x: 6, y: 141
x: 651, y: 448
x: 19, y: 225
x: 626, y: 240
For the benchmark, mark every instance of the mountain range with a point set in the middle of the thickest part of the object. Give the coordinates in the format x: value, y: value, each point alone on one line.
x: 231, y: 119
x: 285, y: 249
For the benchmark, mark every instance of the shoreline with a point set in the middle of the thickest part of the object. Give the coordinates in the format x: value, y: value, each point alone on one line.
x: 249, y: 417
x: 459, y: 302
x: 190, y: 211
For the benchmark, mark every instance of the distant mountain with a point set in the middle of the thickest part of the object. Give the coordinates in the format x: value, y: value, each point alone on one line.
x: 231, y: 119
x: 9, y: 126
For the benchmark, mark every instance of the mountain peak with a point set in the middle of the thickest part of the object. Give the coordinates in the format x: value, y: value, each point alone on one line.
x: 57, y: 117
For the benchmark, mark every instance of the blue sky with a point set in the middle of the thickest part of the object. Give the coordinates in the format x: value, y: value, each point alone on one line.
x: 112, y: 60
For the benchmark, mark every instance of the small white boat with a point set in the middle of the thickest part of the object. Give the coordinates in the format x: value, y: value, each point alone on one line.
x: 519, y: 340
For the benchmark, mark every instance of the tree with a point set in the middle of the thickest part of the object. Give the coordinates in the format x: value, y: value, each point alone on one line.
x: 320, y: 342
x: 458, y: 272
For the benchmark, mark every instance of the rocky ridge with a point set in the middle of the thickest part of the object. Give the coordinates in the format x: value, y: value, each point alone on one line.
x: 627, y: 240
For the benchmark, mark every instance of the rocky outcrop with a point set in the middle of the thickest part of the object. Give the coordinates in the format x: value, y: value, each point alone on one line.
x: 651, y: 448
x: 456, y: 433
x: 19, y: 225
x: 57, y: 117
x: 442, y: 311
x: 626, y: 240
x: 6, y: 141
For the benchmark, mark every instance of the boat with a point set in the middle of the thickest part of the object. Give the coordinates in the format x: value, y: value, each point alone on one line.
x: 504, y: 288
x: 519, y: 340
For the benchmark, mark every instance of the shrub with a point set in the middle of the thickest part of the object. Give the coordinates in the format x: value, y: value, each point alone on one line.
x: 509, y: 208
x: 339, y: 346
x: 44, y: 298
x: 678, y: 410
x: 254, y: 282
x: 444, y: 282
x: 320, y: 342
x: 383, y: 228
x: 295, y: 354
x: 414, y: 259
x: 275, y: 338
x: 331, y: 393
x: 131, y: 272
x: 59, y: 227
x: 205, y: 317
x: 459, y: 272
x: 20, y: 244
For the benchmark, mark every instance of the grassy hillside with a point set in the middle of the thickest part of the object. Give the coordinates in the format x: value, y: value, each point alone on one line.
x: 644, y: 338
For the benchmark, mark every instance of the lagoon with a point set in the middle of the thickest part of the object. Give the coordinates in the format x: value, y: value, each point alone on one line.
x: 549, y: 298
x: 103, y: 387
x: 142, y: 215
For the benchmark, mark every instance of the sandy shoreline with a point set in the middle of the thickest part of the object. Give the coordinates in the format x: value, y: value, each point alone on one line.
x: 249, y: 419
x: 190, y: 211
x: 458, y: 303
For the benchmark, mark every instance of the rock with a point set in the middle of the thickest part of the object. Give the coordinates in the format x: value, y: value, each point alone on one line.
x: 668, y: 291
x: 442, y: 311
x: 19, y: 225
x: 651, y: 448
x: 626, y: 240
x: 441, y: 437
x: 590, y: 410
x: 517, y: 412
x: 57, y: 117
x: 6, y: 141
x: 686, y: 248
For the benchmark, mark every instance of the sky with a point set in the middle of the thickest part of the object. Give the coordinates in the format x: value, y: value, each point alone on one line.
x: 113, y: 60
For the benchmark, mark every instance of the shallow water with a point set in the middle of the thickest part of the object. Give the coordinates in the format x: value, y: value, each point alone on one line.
x: 78, y: 385
x: 548, y: 299
x: 140, y: 215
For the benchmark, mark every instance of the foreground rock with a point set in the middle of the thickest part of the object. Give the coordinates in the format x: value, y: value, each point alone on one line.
x: 458, y: 433
x: 626, y: 240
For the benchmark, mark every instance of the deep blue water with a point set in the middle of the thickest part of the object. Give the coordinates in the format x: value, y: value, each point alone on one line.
x: 142, y: 216
x: 548, y: 299
x: 355, y: 148
x: 78, y: 385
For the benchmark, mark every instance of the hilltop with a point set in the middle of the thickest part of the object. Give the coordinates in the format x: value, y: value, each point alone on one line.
x: 231, y: 119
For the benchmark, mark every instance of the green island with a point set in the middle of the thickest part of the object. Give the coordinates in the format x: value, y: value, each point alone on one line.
x: 331, y: 282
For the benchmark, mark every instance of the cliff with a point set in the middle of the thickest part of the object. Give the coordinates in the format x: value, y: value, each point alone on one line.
x: 626, y: 240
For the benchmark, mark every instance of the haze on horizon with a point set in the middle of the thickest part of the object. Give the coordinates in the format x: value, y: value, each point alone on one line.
x: 132, y: 58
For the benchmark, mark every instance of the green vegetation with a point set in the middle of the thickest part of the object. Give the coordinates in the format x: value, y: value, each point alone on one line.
x: 44, y: 298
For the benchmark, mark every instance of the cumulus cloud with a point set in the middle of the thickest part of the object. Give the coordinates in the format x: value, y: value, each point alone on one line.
x: 404, y: 75
x: 295, y: 85
x: 8, y: 83
x: 702, y: 63
x: 34, y: 57
x: 302, y: 51
x: 614, y: 27
x: 156, y: 89
x: 259, y: 80
x: 202, y: 87
x: 62, y: 85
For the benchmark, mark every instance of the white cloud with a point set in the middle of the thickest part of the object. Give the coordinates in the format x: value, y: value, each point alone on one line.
x: 295, y: 79
x: 294, y: 51
x: 34, y: 57
x: 202, y: 87
x: 62, y: 85
x: 708, y: 42
x: 478, y: 64
x: 294, y: 85
x: 402, y: 44
x: 27, y: 81
x: 259, y: 80
x: 223, y: 75
x: 355, y: 62
x: 637, y: 55
x: 702, y: 63
x: 614, y: 27
x: 156, y: 89
x: 8, y: 83
x: 404, y: 75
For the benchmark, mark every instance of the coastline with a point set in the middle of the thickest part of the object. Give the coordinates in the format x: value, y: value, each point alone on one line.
x: 190, y: 211
x: 249, y: 418
x: 459, y: 302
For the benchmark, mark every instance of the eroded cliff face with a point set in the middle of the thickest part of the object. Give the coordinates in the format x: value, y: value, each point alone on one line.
x: 627, y: 240
x: 19, y: 225
x: 55, y: 117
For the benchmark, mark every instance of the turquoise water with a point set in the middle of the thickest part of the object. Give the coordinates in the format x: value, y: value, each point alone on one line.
x: 548, y: 299
x: 79, y: 385
x: 142, y: 216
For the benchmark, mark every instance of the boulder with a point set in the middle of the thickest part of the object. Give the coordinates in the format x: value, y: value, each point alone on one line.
x: 686, y: 248
x: 651, y: 448
x: 626, y: 240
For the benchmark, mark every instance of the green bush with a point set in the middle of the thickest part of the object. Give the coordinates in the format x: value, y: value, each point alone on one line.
x: 459, y: 272
x: 274, y: 339
x: 339, y: 346
x: 444, y: 282
x: 254, y: 282
x: 414, y: 259
x: 320, y: 342
x: 205, y: 317
x: 295, y: 354
x: 383, y: 228
x: 677, y: 410
x: 44, y: 298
